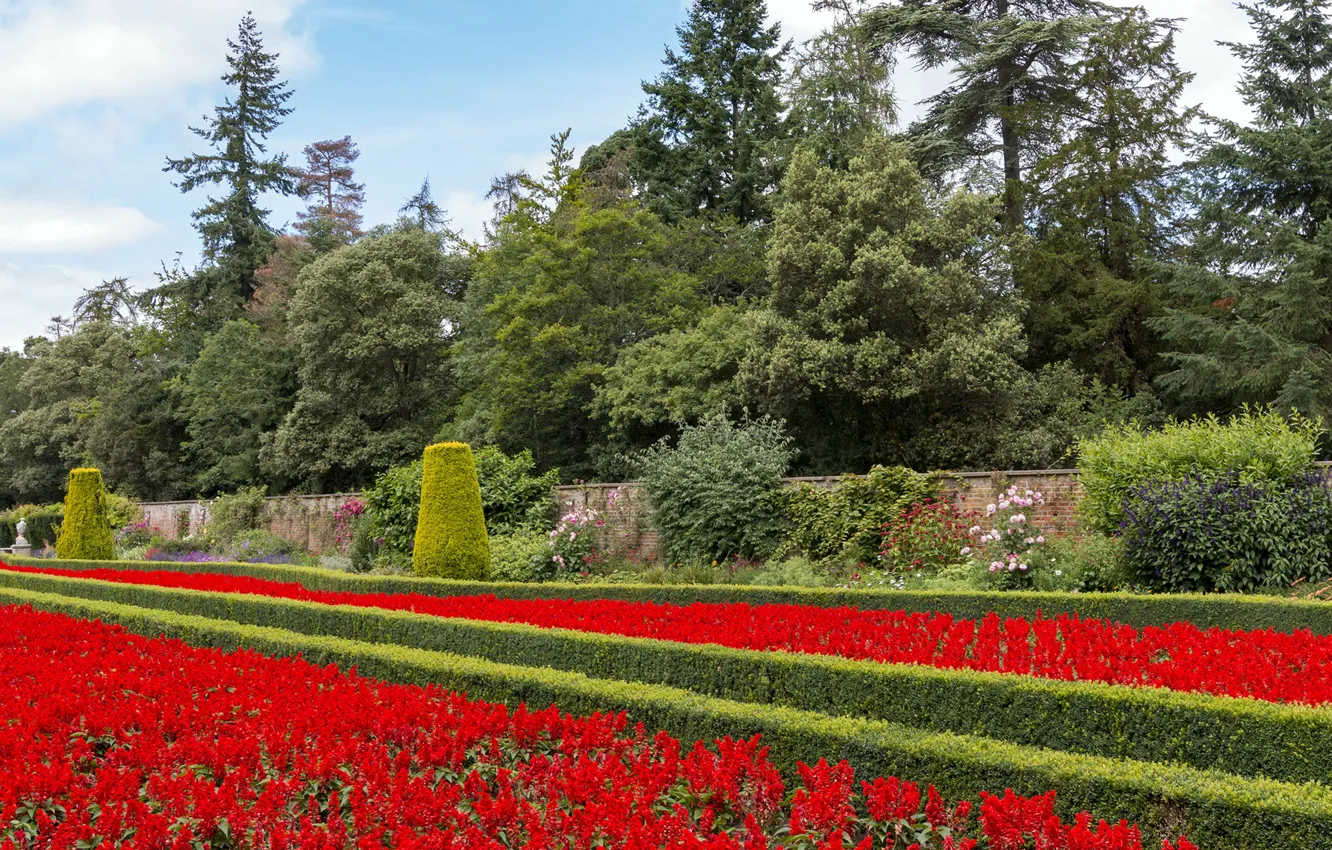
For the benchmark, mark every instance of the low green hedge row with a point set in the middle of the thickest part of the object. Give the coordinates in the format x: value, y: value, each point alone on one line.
x: 1225, y: 611
x: 1218, y: 811
x: 1245, y: 737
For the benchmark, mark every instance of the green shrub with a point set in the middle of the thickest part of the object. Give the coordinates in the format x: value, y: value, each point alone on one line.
x: 791, y: 572
x: 230, y: 515
x: 1259, y: 445
x: 717, y: 492
x: 257, y: 545
x: 846, y: 521
x: 1210, y: 532
x: 512, y: 498
x: 451, y: 529
x: 85, y: 532
x: 520, y: 556
x: 120, y: 510
x: 1092, y: 564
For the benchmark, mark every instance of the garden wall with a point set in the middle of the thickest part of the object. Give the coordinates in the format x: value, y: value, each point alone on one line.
x: 308, y: 520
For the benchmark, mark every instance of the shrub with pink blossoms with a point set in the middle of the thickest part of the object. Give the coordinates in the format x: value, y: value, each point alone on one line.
x: 574, y: 542
x: 1006, y: 542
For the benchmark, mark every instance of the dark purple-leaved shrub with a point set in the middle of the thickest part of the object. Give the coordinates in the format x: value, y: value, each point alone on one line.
x: 1217, y: 532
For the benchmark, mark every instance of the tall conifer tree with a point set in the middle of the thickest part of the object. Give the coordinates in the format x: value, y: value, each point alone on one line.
x: 708, y: 138
x: 1011, y: 65
x: 1259, y: 261
x: 236, y: 236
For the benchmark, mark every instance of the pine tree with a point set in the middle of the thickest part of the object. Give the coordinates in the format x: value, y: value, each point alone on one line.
x: 333, y: 216
x: 422, y: 210
x: 1010, y: 60
x: 1101, y: 204
x: 1258, y: 269
x: 236, y: 236
x: 708, y: 137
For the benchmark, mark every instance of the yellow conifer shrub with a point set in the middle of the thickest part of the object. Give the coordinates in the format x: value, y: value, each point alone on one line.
x: 451, y: 539
x: 85, y: 532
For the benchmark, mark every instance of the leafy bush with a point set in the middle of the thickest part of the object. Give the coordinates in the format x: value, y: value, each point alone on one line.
x: 1009, y: 548
x: 451, y: 531
x: 259, y: 546
x: 572, y: 544
x: 1259, y: 445
x: 121, y: 510
x: 512, y: 497
x: 930, y: 536
x: 520, y: 556
x: 1089, y: 564
x: 1217, y: 531
x: 244, y: 510
x: 716, y: 493
x: 848, y: 519
x: 85, y: 532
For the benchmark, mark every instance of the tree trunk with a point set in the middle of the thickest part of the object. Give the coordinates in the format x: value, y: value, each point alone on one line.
x: 1014, y: 197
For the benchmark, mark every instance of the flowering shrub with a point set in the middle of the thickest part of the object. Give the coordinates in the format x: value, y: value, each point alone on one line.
x: 1261, y: 664
x: 1007, y: 547
x: 156, y: 744
x: 573, y: 541
x: 1209, y: 532
x: 135, y: 534
x: 344, y: 522
x: 928, y: 536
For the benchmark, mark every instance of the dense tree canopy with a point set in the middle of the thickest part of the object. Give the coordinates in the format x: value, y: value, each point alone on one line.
x: 1061, y: 240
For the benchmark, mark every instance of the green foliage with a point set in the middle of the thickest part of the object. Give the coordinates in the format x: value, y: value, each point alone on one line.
x: 236, y: 236
x: 1218, y: 810
x: 846, y: 521
x: 707, y: 137
x: 238, y: 389
x: 451, y: 530
x: 244, y: 510
x: 513, y: 498
x: 556, y: 298
x: 85, y: 532
x: 520, y: 556
x: 1252, y: 283
x: 892, y: 333
x: 715, y: 494
x: 1258, y: 444
x: 1090, y: 564
x: 256, y: 544
x: 926, y: 538
x: 1104, y: 195
x: 1212, y: 531
x: 369, y: 321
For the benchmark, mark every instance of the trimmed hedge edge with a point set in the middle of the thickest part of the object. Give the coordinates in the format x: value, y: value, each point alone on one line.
x: 1218, y: 811
x: 1240, y: 736
x: 1219, y: 610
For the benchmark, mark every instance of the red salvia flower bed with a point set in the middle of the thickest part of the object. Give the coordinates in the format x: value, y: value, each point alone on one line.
x: 1261, y: 664
x: 111, y: 740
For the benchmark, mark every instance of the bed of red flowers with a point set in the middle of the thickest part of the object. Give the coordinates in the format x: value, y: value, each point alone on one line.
x: 111, y: 740
x: 1260, y: 664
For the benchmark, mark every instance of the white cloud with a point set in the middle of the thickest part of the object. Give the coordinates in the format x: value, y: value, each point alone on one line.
x: 58, y: 53
x: 39, y: 226
x: 468, y: 213
x: 32, y: 294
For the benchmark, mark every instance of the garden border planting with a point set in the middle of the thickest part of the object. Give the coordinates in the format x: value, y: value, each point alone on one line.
x: 1218, y: 811
x: 1240, y: 736
x: 1204, y: 611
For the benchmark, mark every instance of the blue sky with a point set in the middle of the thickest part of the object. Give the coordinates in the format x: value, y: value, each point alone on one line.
x: 95, y: 93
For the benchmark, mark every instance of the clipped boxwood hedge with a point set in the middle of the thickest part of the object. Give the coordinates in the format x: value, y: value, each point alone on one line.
x: 1218, y: 811
x: 1225, y: 611
x: 1241, y: 736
